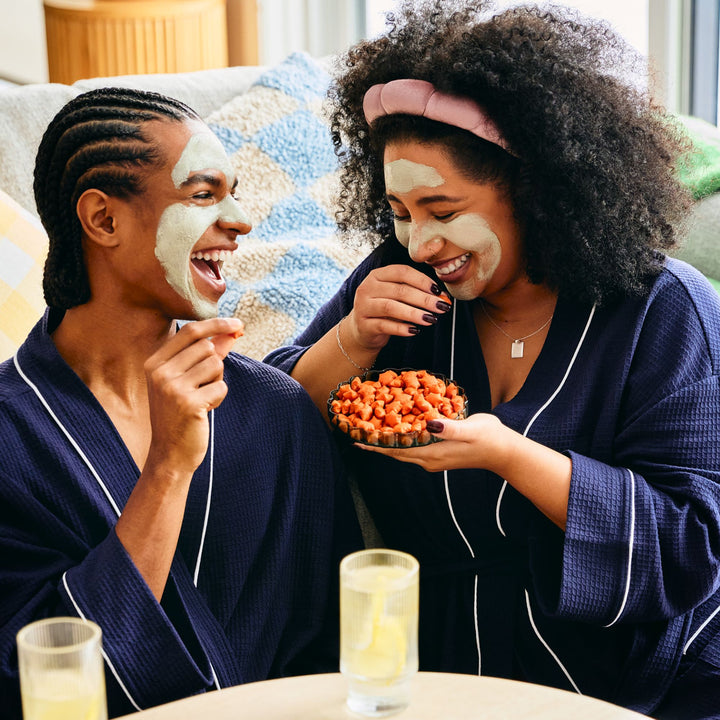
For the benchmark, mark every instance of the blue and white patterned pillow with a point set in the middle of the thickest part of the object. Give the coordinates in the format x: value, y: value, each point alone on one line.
x: 277, y: 137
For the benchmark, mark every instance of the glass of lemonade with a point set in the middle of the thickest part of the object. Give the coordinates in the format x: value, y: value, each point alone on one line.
x: 61, y: 670
x: 378, y: 629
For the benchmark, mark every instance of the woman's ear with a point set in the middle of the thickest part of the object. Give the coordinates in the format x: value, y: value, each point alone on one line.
x: 96, y: 214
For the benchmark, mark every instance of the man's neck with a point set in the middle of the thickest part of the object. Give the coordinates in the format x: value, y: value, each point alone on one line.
x: 108, y: 350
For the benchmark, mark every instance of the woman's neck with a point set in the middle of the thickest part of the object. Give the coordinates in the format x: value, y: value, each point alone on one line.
x: 521, y: 304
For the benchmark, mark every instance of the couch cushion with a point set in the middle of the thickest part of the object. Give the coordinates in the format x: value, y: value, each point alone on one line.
x: 701, y: 244
x: 23, y: 246
x: 292, y: 262
x: 203, y: 90
x: 25, y: 112
x: 277, y: 137
x: 699, y: 169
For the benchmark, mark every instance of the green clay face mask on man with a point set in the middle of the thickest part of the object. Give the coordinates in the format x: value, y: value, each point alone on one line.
x: 181, y: 226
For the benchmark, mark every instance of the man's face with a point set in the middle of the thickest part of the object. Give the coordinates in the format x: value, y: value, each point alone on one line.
x: 196, y: 232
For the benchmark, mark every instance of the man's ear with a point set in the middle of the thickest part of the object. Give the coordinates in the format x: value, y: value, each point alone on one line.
x: 95, y: 210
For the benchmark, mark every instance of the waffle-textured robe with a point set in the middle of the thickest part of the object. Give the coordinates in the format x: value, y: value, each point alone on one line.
x: 630, y: 391
x: 268, y: 558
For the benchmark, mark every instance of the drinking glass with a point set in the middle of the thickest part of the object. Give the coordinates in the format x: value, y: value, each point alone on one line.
x: 61, y: 670
x: 378, y: 629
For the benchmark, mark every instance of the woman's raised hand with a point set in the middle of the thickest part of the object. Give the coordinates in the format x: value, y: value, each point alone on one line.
x: 394, y: 300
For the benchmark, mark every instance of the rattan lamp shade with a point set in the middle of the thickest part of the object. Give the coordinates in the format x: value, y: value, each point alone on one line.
x: 103, y: 38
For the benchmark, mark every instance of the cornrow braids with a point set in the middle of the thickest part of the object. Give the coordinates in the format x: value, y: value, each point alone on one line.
x: 94, y: 141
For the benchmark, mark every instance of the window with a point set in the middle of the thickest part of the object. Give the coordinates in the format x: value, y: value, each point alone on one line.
x: 703, y: 71
x: 628, y: 17
x: 680, y: 38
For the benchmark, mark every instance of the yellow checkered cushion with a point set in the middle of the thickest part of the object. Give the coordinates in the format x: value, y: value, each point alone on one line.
x: 23, y: 246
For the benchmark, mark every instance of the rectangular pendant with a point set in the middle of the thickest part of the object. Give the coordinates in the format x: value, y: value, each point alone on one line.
x: 517, y: 349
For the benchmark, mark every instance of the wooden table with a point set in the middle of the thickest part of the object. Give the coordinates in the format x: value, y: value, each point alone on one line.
x: 435, y: 696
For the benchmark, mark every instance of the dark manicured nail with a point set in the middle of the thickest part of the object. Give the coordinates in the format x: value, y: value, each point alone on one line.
x: 430, y: 318
x: 413, y: 329
x: 442, y: 306
x: 434, y: 426
x: 435, y: 289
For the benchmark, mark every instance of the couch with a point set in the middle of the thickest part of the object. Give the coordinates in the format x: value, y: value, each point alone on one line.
x: 272, y: 122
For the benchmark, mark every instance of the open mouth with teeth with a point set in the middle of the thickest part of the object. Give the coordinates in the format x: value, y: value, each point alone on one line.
x: 449, y: 269
x: 209, y: 262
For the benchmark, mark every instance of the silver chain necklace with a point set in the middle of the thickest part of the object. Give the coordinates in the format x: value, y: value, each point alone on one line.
x: 517, y: 349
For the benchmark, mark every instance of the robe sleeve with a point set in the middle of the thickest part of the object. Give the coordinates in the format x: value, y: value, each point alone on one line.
x: 46, y: 570
x: 642, y: 541
x: 143, y: 651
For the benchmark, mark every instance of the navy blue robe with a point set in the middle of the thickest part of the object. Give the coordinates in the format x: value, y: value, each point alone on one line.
x: 269, y: 557
x: 608, y: 608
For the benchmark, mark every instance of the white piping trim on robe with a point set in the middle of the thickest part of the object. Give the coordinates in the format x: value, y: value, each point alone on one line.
x: 631, y: 543
x: 537, y: 414
x: 69, y: 437
x: 114, y: 505
x: 104, y: 654
x: 452, y: 511
x: 544, y: 407
x: 700, y: 629
x: 211, y: 419
x: 547, y: 647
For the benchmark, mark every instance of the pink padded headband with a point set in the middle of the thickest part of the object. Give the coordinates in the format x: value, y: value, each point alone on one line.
x: 419, y: 97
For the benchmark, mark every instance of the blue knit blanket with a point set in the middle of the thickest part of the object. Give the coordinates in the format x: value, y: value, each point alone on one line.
x: 277, y: 137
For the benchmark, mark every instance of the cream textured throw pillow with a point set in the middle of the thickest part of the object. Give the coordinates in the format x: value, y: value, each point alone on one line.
x: 292, y: 262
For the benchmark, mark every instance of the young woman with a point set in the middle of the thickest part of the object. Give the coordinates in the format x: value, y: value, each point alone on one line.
x: 568, y: 531
x: 153, y: 482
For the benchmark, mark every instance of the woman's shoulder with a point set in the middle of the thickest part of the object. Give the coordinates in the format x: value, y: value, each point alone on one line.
x: 681, y: 316
x: 695, y: 284
x: 683, y: 289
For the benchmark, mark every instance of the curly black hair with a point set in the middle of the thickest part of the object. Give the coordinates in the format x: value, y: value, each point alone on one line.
x: 95, y: 141
x: 593, y: 183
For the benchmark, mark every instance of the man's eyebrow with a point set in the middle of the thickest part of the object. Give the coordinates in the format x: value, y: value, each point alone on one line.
x: 428, y: 199
x: 199, y: 179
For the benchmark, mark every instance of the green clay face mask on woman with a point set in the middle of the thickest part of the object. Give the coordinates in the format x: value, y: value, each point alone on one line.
x: 468, y: 231
x: 181, y: 226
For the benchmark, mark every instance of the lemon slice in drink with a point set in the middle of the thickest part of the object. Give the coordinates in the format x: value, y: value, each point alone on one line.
x: 384, y: 656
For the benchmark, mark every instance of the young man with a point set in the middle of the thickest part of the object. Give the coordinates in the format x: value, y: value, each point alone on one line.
x: 173, y: 493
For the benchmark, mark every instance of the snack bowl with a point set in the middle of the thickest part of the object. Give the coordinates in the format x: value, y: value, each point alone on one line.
x: 391, y: 407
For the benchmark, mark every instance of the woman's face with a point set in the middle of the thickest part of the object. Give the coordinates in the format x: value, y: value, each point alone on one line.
x: 465, y: 230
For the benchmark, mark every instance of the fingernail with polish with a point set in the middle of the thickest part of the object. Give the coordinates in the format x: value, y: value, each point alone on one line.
x: 435, y: 289
x: 434, y: 426
x: 413, y: 329
x: 442, y: 306
x: 430, y: 318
